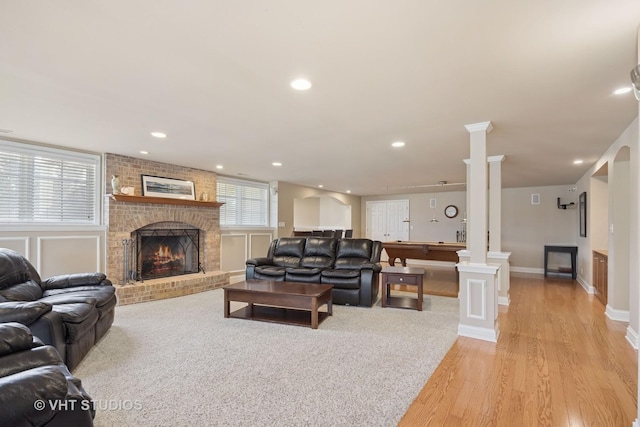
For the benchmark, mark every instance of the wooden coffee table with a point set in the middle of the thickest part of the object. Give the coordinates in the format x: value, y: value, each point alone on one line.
x: 292, y: 303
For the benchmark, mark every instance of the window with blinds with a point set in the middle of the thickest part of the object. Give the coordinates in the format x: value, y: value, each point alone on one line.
x: 246, y: 203
x: 47, y: 185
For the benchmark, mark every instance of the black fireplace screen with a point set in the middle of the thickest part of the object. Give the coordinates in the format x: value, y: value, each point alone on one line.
x: 162, y: 253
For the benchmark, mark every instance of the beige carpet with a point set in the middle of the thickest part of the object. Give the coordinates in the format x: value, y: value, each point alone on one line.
x: 179, y: 362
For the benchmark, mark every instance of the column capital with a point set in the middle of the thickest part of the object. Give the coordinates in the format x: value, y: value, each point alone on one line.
x: 490, y: 159
x: 481, y: 126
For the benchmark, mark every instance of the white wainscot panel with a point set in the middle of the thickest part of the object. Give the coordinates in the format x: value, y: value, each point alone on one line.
x: 19, y: 244
x: 68, y: 254
x: 476, y: 299
x: 259, y: 244
x: 233, y: 252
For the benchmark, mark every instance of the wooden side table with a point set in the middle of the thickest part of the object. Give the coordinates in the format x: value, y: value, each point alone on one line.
x: 402, y: 276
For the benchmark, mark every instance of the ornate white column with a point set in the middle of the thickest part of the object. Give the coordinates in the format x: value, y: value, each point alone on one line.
x: 464, y: 254
x: 478, y: 281
x: 495, y: 254
x: 477, y: 192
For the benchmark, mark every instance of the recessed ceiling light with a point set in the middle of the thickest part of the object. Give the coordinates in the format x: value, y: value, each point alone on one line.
x: 159, y: 134
x: 578, y: 162
x: 348, y: 191
x: 144, y: 152
x: 320, y: 186
x: 301, y: 84
x: 622, y: 90
x: 219, y: 167
x: 276, y: 164
x: 398, y: 144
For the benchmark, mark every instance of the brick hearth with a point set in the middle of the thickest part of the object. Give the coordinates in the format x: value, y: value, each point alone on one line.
x: 169, y: 287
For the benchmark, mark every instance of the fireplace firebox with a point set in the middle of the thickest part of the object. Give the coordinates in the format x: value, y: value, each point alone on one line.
x: 163, y: 253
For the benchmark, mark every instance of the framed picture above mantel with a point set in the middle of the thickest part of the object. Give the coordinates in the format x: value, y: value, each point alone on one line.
x: 156, y: 186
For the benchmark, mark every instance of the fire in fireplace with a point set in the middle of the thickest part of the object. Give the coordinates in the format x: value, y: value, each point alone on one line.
x: 162, y: 253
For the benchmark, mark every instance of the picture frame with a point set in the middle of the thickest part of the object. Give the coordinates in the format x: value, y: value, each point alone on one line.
x: 582, y: 208
x: 170, y: 188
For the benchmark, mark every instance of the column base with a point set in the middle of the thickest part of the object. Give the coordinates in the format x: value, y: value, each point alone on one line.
x: 485, y: 334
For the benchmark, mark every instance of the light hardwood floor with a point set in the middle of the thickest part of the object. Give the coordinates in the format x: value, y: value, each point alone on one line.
x: 559, y: 361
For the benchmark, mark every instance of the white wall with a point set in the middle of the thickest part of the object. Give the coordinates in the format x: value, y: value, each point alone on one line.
x: 334, y: 214
x: 288, y: 193
x: 600, y: 204
x: 526, y: 228
x: 306, y: 213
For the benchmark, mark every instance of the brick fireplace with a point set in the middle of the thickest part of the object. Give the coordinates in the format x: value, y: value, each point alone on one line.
x: 125, y: 215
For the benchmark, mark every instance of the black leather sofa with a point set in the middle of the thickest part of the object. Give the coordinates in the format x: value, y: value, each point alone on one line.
x: 36, y: 388
x: 352, y: 266
x: 70, y: 312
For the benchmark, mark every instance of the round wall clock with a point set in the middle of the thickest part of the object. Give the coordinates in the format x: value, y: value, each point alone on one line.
x: 451, y: 211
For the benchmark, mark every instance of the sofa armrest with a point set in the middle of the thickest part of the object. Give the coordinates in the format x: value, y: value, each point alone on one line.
x: 23, y: 312
x: 76, y: 279
x: 14, y: 337
x: 19, y: 392
x: 369, y: 287
x: 371, y: 266
x: 50, y: 330
x: 259, y: 261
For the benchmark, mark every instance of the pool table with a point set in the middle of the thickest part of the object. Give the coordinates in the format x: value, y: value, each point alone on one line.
x: 435, y: 251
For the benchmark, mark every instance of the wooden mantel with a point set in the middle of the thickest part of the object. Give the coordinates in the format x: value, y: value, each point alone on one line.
x: 163, y: 200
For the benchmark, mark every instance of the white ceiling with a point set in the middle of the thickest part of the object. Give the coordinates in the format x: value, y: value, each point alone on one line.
x: 214, y: 75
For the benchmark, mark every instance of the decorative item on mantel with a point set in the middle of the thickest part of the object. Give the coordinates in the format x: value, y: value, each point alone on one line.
x: 115, y: 184
x: 204, y: 197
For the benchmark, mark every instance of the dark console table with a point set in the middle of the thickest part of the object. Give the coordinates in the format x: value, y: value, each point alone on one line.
x: 572, y: 250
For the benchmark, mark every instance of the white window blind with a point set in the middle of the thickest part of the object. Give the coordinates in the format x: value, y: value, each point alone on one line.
x: 246, y: 203
x: 47, y: 185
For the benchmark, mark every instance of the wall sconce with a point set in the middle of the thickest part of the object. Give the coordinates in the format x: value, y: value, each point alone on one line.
x: 565, y: 205
x: 635, y: 80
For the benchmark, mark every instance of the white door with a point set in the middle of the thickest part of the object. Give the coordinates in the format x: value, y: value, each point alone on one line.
x: 388, y: 220
x: 376, y: 221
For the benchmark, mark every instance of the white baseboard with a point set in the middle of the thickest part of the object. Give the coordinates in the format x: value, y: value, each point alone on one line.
x: 485, y: 334
x: 617, y: 315
x: 632, y: 337
x: 587, y: 287
x: 504, y: 300
x: 527, y: 270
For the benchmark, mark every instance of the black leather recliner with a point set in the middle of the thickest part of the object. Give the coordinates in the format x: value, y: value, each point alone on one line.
x: 36, y: 388
x: 283, y: 253
x: 319, y: 254
x: 70, y: 312
x: 355, y: 273
x: 352, y: 266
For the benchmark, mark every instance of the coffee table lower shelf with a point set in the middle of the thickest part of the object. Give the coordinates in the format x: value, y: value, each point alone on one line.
x: 287, y: 316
